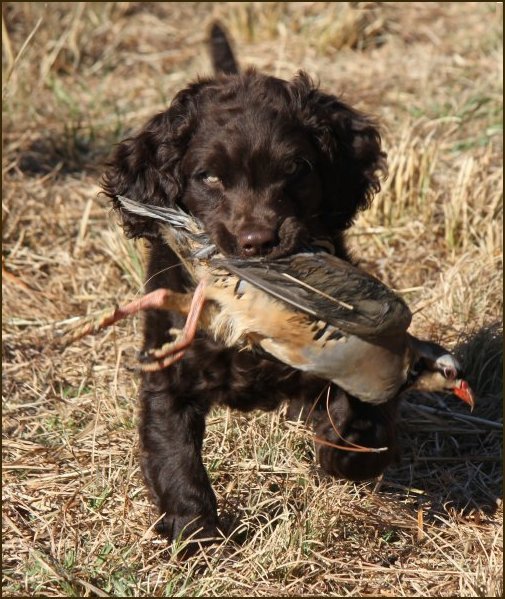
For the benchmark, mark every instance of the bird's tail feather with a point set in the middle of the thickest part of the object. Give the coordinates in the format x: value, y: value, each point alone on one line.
x: 173, y: 216
x: 184, y: 234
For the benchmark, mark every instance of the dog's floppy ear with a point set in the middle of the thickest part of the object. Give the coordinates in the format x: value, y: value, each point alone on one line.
x: 146, y: 167
x: 349, y: 143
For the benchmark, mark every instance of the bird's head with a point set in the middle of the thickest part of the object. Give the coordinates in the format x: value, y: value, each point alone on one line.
x: 442, y: 373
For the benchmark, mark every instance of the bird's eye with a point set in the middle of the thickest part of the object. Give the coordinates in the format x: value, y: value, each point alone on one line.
x: 450, y: 373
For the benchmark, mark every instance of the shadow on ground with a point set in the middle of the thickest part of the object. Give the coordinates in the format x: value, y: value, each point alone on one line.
x: 451, y: 459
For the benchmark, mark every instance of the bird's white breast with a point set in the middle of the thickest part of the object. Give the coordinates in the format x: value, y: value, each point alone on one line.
x: 373, y: 371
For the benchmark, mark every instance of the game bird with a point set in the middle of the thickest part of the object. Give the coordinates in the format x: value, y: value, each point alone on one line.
x: 311, y: 310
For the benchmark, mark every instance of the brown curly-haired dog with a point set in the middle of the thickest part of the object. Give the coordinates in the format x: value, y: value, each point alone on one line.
x: 266, y: 165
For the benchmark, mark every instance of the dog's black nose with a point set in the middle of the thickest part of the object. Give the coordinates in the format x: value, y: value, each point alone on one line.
x: 257, y: 241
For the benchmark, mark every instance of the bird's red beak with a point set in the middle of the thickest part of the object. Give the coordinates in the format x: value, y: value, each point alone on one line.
x: 464, y: 392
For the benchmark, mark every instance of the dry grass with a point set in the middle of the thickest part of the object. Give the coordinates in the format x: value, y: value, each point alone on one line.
x: 76, y: 78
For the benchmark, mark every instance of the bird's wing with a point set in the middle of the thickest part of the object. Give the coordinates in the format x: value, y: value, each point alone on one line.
x: 329, y: 289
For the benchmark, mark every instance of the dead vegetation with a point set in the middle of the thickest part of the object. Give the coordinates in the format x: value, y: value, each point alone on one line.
x: 76, y: 78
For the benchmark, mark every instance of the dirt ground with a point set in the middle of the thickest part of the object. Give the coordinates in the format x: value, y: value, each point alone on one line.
x: 77, y: 78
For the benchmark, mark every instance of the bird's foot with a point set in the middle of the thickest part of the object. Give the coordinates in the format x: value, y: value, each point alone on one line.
x: 173, y: 351
x: 161, y: 357
x: 68, y: 332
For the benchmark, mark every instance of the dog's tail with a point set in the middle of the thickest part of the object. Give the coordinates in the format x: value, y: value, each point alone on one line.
x: 221, y: 53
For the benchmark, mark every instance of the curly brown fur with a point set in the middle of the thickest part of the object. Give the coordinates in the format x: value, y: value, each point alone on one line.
x: 265, y: 164
x: 290, y: 163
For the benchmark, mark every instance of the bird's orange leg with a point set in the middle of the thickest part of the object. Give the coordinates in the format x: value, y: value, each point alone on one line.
x: 160, y: 299
x: 172, y: 352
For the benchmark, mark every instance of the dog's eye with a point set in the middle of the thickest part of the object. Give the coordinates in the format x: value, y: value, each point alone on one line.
x: 211, y: 180
x: 297, y: 169
x: 291, y: 168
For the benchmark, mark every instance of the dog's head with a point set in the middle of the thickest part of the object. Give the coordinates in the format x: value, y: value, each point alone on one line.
x: 265, y: 164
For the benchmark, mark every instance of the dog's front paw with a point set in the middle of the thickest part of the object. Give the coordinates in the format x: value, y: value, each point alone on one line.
x: 189, y: 534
